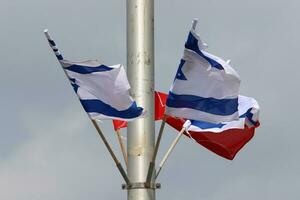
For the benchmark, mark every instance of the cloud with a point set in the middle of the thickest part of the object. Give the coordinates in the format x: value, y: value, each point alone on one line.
x: 63, y: 159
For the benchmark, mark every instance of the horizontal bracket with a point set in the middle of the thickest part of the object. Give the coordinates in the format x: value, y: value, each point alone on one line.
x: 141, y: 186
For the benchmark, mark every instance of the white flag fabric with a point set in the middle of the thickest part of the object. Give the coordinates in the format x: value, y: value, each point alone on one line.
x: 248, y: 110
x: 103, y: 90
x: 205, y: 87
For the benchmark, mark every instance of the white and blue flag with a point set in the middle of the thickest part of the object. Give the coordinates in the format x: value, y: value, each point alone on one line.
x: 248, y: 110
x: 103, y: 90
x: 205, y: 87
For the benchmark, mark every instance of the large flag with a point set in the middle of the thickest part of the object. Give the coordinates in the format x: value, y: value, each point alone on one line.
x: 103, y: 90
x: 160, y: 102
x: 206, y: 92
x: 225, y: 139
x: 205, y: 87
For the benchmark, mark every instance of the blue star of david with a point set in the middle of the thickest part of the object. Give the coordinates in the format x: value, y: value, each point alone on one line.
x: 74, y: 85
x: 179, y: 73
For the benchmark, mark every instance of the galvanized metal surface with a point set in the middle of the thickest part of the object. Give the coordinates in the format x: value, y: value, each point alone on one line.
x: 140, y: 69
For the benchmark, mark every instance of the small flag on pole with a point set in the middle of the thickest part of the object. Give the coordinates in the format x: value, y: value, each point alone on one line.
x: 103, y: 90
x: 205, y: 87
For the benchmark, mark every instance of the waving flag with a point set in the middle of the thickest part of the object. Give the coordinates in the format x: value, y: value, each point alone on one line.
x: 248, y: 115
x: 103, y: 90
x: 224, y: 139
x: 206, y: 91
x: 160, y: 102
x: 205, y: 87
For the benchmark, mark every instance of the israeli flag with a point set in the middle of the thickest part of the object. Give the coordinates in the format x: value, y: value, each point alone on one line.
x: 103, y: 90
x: 248, y: 110
x: 205, y: 87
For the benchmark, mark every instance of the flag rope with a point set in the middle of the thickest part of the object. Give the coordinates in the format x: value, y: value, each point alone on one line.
x: 117, y: 162
x: 152, y: 163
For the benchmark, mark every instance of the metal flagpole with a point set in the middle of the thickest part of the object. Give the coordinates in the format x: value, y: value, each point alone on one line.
x: 140, y: 63
x: 122, y: 146
x: 175, y: 141
x: 152, y: 163
x: 118, y: 164
x: 169, y: 151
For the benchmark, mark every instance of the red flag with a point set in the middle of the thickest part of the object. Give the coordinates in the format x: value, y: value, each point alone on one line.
x: 160, y: 102
x: 226, y: 144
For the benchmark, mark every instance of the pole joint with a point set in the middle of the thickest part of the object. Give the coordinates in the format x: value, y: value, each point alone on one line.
x: 141, y: 185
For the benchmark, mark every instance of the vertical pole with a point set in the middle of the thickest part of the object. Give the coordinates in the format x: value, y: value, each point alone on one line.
x: 140, y: 63
x: 122, y: 146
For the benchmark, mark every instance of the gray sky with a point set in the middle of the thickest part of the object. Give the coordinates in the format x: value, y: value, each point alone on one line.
x: 49, y: 149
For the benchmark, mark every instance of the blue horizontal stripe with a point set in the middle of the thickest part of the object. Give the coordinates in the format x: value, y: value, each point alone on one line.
x: 98, y: 106
x: 192, y: 44
x: 206, y: 125
x: 209, y: 105
x: 87, y: 70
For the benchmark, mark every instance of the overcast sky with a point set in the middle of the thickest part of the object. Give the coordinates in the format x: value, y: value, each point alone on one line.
x: 50, y: 151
